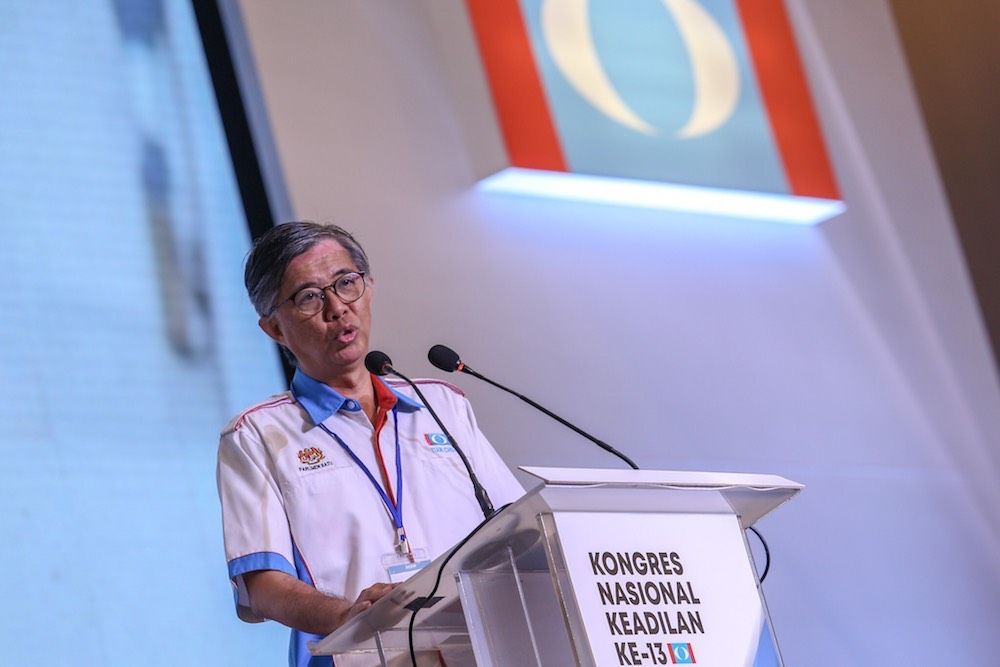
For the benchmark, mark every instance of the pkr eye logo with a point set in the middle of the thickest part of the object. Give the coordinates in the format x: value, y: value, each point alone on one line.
x: 569, y: 38
x: 438, y: 442
x: 707, y: 93
x: 682, y: 654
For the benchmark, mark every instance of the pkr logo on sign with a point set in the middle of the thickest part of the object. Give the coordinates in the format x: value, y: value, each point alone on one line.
x: 682, y: 654
x: 702, y: 92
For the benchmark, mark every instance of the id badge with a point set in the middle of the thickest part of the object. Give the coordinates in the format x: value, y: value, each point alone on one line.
x: 401, y: 567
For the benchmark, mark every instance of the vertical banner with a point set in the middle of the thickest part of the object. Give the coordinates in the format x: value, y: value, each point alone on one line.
x: 656, y: 589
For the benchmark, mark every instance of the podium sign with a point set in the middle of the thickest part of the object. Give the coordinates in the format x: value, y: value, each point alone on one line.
x: 671, y: 589
x: 594, y: 568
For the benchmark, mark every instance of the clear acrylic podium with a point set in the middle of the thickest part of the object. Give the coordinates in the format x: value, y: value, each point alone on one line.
x: 590, y: 568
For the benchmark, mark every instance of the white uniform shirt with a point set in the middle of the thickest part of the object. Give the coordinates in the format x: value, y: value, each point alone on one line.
x: 294, y: 500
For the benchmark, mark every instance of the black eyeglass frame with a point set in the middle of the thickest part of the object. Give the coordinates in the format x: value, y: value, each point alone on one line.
x: 332, y: 287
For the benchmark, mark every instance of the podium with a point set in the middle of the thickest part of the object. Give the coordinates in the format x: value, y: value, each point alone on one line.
x: 592, y: 568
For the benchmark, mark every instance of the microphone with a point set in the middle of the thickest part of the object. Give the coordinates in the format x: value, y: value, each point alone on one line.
x: 448, y: 360
x: 379, y: 363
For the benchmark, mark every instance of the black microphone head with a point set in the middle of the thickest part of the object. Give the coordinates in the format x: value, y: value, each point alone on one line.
x: 444, y: 358
x: 378, y: 363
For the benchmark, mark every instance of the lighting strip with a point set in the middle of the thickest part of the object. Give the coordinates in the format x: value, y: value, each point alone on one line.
x: 664, y: 196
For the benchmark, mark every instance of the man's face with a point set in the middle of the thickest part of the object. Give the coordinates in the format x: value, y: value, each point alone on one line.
x: 330, y: 345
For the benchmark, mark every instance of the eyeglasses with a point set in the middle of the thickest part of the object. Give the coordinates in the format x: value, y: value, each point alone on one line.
x: 348, y: 287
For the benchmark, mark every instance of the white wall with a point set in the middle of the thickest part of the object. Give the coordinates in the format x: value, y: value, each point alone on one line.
x: 849, y: 357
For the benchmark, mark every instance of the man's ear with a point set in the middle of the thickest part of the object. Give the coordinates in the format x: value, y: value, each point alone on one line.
x: 272, y: 328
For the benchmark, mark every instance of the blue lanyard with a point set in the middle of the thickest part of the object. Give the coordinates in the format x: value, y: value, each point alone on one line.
x: 395, y: 510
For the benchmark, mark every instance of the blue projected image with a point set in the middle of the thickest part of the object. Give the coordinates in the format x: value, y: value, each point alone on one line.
x: 126, y: 342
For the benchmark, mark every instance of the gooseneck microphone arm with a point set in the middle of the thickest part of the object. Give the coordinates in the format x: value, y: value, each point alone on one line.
x: 378, y: 363
x: 448, y: 360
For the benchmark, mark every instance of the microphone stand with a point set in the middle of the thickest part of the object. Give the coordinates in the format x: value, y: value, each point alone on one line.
x: 600, y: 443
x: 447, y: 360
x: 380, y: 364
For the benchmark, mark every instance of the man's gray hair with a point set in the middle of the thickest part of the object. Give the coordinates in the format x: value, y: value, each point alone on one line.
x: 274, y: 251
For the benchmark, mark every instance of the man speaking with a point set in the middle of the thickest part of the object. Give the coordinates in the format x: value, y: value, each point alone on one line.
x: 336, y: 489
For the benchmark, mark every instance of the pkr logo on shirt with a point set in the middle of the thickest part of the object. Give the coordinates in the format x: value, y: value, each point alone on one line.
x: 439, y: 442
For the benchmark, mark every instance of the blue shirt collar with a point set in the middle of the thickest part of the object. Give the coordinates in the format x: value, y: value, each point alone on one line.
x: 321, y: 402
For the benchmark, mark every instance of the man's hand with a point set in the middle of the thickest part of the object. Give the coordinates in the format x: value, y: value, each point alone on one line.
x: 368, y: 597
x: 283, y: 598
